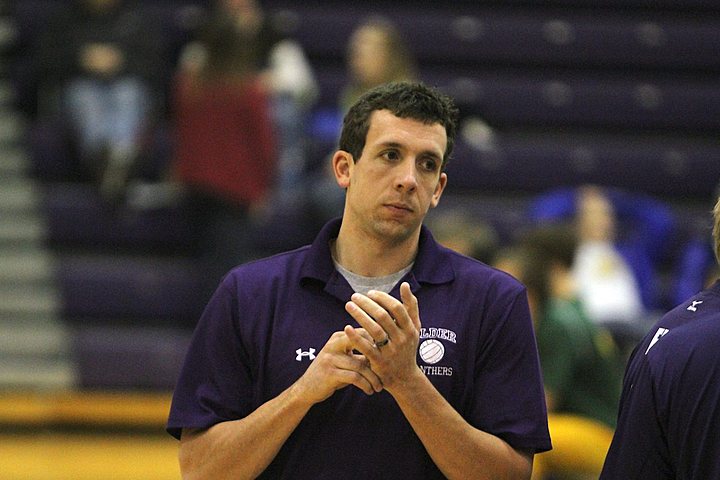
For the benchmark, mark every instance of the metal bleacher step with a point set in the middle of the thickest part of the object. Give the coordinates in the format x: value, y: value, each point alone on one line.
x: 11, y: 126
x: 22, y: 232
x: 7, y: 97
x: 14, y: 162
x: 28, y: 300
x: 35, y: 267
x: 34, y: 373
x: 35, y: 344
x: 18, y: 194
x: 43, y: 336
x: 7, y: 94
x: 8, y: 29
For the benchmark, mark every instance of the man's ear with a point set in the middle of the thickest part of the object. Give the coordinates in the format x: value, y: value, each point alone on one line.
x: 342, y: 163
x: 439, y: 188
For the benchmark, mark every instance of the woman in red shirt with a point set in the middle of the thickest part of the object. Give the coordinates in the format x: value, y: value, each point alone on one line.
x: 225, y: 152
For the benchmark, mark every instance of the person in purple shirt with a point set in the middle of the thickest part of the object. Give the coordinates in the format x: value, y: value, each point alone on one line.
x: 669, y: 415
x: 374, y: 352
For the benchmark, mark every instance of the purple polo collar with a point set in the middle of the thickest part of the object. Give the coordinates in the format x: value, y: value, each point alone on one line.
x: 432, y: 265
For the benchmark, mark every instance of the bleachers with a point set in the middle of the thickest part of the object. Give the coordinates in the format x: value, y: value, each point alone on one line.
x: 673, y: 168
x: 621, y: 93
x: 477, y: 34
x: 152, y: 230
x: 553, y: 99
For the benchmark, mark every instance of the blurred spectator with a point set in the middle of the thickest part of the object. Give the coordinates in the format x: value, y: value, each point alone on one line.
x: 100, y: 63
x: 623, y: 239
x: 581, y: 365
x: 225, y: 147
x: 668, y: 416
x: 458, y: 231
x: 376, y: 54
x: 696, y: 270
x: 696, y: 267
x: 285, y: 73
x: 607, y: 285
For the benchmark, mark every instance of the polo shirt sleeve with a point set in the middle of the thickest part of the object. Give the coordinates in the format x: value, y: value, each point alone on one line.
x: 510, y: 400
x: 638, y: 450
x: 686, y: 372
x: 669, y: 411
x: 214, y: 382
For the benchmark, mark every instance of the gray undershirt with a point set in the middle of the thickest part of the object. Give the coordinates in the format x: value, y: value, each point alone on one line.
x: 361, y: 284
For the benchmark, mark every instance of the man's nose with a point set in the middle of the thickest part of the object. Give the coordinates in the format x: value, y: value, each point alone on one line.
x: 407, y: 176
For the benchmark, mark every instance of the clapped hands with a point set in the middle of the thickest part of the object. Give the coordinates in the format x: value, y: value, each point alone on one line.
x: 375, y: 356
x: 389, y: 333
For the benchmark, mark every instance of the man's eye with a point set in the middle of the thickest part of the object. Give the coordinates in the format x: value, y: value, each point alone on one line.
x: 429, y: 164
x: 391, y: 155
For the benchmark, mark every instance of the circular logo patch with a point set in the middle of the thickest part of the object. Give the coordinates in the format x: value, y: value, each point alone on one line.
x: 432, y: 351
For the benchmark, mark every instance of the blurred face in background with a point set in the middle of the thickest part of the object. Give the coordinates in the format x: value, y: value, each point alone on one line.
x: 377, y: 55
x: 247, y: 13
x: 595, y: 216
x: 238, y: 7
x: 511, y: 262
x: 369, y: 56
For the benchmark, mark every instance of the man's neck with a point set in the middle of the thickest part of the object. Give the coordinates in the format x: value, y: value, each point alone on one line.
x: 371, y: 257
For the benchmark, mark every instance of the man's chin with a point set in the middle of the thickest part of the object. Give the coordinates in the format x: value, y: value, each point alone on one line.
x: 396, y: 229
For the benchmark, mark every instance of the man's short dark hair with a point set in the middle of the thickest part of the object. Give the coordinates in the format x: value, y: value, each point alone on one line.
x: 404, y: 100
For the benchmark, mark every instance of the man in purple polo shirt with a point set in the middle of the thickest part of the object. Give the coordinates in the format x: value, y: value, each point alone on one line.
x: 670, y: 408
x: 374, y: 352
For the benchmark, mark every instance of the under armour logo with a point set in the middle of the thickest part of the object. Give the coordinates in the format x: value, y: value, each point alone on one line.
x: 693, y: 307
x: 658, y: 335
x: 300, y: 354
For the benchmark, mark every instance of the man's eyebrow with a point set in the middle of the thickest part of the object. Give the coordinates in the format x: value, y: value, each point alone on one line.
x: 398, y: 145
x: 391, y: 145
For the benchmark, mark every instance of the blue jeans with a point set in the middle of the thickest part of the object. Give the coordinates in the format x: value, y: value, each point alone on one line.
x: 289, y: 121
x: 107, y: 114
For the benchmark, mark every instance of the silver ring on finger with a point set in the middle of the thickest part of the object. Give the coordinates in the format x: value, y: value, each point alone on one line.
x: 383, y: 342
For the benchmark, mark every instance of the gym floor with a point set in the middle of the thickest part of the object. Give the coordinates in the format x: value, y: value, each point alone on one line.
x: 86, y: 436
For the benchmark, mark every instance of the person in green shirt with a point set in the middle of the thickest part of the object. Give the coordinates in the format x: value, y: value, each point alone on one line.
x: 581, y: 365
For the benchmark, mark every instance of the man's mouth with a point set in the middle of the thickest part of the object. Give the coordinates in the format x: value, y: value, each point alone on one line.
x: 399, y: 207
